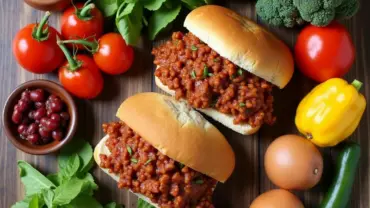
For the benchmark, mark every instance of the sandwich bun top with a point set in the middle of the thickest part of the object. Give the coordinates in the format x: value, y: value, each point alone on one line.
x: 179, y: 132
x: 243, y: 42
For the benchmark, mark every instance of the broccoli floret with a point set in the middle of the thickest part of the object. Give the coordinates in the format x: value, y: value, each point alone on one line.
x: 295, y: 12
x: 279, y: 12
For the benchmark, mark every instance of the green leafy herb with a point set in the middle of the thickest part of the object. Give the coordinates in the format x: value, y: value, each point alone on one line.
x: 205, y: 71
x: 66, y: 192
x: 134, y: 160
x: 193, y: 4
x: 210, y: 74
x: 83, y: 200
x: 194, y: 48
x: 36, y: 202
x: 82, y: 149
x: 71, y: 167
x: 107, y: 7
x: 24, y: 203
x: 89, y: 185
x: 129, y: 21
x: 129, y: 150
x: 216, y: 60
x: 141, y: 203
x: 48, y: 195
x: 55, y: 178
x: 181, y: 166
x: 193, y: 75
x: 242, y: 104
x: 153, y: 5
x: 32, y: 179
x: 148, y: 161
x: 240, y: 71
x: 199, y: 181
x: 233, y: 76
x: 112, y: 205
x: 161, y: 18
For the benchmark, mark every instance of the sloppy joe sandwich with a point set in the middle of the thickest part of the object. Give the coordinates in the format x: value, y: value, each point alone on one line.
x: 225, y: 66
x: 165, y: 152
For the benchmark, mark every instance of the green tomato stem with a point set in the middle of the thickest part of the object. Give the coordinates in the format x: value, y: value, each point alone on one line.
x: 85, y: 11
x: 39, y: 31
x: 357, y: 84
x: 72, y: 62
x: 93, y: 45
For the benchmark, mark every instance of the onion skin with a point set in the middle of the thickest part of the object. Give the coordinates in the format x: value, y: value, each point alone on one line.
x: 49, y: 5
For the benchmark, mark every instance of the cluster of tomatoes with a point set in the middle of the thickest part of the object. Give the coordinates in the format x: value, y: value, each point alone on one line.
x: 39, y: 48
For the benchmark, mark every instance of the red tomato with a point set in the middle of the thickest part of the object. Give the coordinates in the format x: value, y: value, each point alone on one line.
x: 84, y: 22
x: 322, y: 53
x: 86, y: 81
x: 114, y: 56
x: 38, y: 53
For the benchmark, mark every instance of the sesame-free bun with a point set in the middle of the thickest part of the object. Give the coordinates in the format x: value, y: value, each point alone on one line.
x: 243, y: 42
x: 179, y: 132
x: 225, y: 119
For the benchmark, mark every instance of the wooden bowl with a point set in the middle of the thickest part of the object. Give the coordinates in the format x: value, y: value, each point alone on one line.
x: 11, y: 128
x: 49, y: 5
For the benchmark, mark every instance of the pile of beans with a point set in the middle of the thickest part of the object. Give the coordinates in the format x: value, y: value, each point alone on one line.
x: 41, y: 117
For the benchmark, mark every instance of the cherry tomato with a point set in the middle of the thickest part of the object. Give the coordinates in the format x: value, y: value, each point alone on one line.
x: 80, y: 75
x: 84, y: 22
x: 113, y: 56
x: 35, y: 47
x: 322, y: 53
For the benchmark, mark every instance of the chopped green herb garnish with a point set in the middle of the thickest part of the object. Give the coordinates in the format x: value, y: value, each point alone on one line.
x: 129, y: 150
x: 242, y: 104
x: 216, y: 60
x: 193, y: 75
x: 199, y: 181
x: 134, y: 160
x: 181, y: 165
x: 240, y: 71
x: 214, y: 102
x: 205, y: 72
x: 210, y: 74
x: 233, y: 76
x: 194, y: 48
x: 148, y: 161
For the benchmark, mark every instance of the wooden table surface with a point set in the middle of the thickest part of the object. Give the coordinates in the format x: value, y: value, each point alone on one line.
x: 249, y: 178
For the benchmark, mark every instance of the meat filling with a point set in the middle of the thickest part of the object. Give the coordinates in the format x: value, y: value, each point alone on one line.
x: 205, y: 79
x: 145, y: 170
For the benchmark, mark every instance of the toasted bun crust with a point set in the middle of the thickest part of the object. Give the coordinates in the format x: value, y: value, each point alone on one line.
x: 102, y: 149
x: 226, y: 120
x: 243, y: 42
x: 179, y: 132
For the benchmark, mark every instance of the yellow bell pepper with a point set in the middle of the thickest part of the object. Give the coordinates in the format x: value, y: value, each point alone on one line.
x: 331, y: 112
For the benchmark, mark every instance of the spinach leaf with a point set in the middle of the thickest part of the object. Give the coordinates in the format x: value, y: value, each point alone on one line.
x: 107, y: 7
x: 153, y: 5
x: 161, y: 18
x: 112, y: 205
x: 89, y: 185
x: 83, y: 200
x: 129, y: 21
x: 82, y: 149
x: 32, y: 179
x: 48, y: 195
x: 71, y: 167
x: 66, y: 192
x: 141, y: 203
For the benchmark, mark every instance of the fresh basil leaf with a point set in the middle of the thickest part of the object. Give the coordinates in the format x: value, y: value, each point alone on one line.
x: 48, y: 195
x: 71, y: 167
x: 32, y: 179
x: 24, y: 203
x: 107, y: 7
x: 112, y: 205
x: 130, y: 24
x: 34, y: 203
x: 193, y: 4
x: 141, y: 203
x: 56, y: 178
x: 153, y: 5
x: 161, y: 18
x: 68, y: 191
x: 83, y: 200
x: 89, y: 185
x: 82, y: 149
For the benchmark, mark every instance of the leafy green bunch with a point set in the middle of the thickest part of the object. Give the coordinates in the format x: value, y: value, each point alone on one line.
x: 131, y: 16
x: 290, y: 13
x: 71, y: 187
